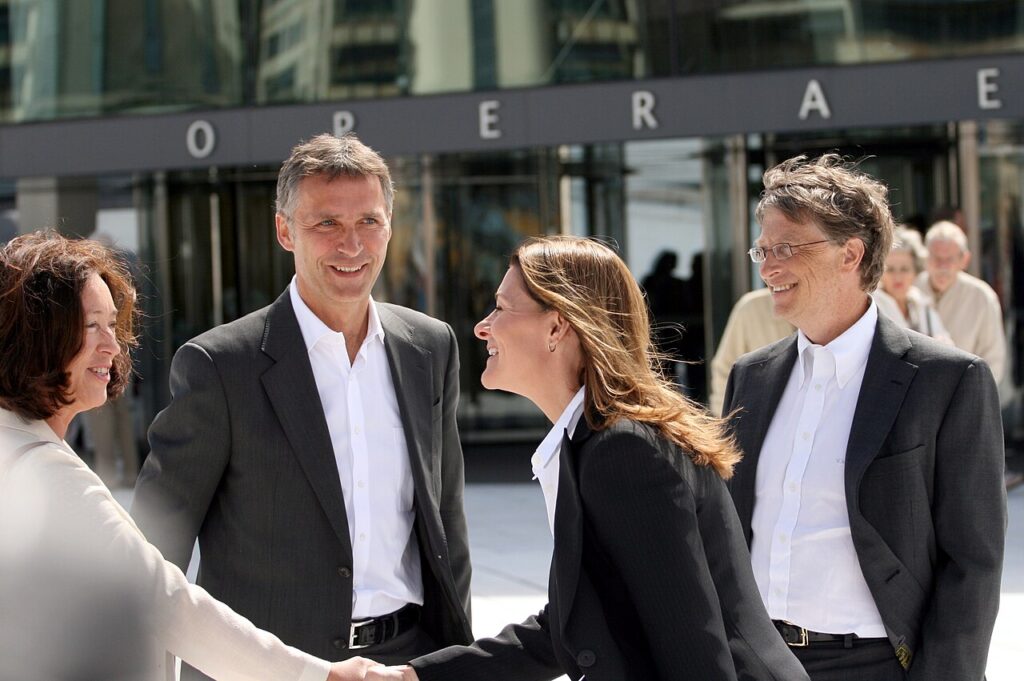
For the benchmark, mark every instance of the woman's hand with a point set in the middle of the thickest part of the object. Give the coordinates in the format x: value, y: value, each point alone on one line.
x: 403, y: 673
x: 353, y: 669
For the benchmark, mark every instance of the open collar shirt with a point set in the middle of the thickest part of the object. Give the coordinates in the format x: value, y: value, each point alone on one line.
x: 361, y: 408
x: 545, y: 459
x: 802, y: 551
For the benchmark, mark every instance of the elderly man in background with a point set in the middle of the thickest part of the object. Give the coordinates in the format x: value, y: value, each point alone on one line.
x: 967, y: 305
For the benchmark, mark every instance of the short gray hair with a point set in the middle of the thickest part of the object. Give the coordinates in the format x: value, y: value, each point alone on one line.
x: 947, y: 231
x: 332, y: 157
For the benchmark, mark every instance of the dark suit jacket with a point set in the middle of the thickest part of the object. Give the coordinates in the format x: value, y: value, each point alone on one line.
x: 242, y: 458
x: 924, y: 489
x: 650, y: 578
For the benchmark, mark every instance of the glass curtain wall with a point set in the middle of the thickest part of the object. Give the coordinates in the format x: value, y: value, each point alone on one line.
x: 100, y: 57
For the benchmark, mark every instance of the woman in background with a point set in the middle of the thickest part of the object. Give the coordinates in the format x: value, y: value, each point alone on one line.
x: 898, y: 298
x: 82, y: 594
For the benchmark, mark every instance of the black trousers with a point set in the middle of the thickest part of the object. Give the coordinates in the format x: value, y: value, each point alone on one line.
x: 400, y: 649
x: 874, y: 661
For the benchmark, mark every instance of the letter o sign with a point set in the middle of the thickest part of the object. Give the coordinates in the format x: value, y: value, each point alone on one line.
x: 200, y: 139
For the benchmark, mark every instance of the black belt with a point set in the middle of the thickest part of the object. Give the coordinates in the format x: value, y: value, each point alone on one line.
x: 798, y: 637
x: 377, y: 630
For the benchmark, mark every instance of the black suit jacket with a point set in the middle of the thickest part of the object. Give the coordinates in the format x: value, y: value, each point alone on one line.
x: 924, y: 489
x: 650, y: 578
x: 242, y: 458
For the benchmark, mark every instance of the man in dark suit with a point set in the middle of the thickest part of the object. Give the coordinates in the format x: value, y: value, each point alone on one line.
x: 311, y: 446
x: 871, y: 491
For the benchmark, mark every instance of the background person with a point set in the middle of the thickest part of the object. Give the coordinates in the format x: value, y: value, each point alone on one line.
x: 312, y: 445
x: 898, y: 297
x: 84, y: 595
x: 871, y: 487
x: 969, y: 308
x: 650, y: 579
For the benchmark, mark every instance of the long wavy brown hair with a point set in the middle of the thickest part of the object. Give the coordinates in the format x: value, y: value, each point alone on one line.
x: 594, y: 291
x: 42, y: 276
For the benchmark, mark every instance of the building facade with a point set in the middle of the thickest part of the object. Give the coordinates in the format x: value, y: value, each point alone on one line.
x: 160, y: 125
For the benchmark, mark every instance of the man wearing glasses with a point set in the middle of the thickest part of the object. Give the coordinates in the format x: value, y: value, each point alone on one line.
x: 871, y: 491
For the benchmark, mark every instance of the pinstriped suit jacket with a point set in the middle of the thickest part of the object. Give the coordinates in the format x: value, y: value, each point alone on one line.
x: 650, y: 578
x: 242, y: 458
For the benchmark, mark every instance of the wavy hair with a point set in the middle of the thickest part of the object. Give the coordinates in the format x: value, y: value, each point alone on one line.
x: 42, y: 325
x: 844, y: 202
x: 594, y: 291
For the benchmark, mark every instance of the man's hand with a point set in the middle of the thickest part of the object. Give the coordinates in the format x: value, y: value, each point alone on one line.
x: 403, y: 673
x: 353, y: 669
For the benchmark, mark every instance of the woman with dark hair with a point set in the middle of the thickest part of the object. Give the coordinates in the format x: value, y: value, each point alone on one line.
x: 650, y: 577
x: 82, y: 594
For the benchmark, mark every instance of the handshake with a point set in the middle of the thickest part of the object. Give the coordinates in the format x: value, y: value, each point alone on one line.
x: 363, y: 669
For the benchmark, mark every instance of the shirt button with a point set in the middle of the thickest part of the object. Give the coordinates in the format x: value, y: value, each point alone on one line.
x: 783, y: 537
x: 806, y: 436
x: 586, y: 658
x: 358, y: 430
x: 361, y: 484
x: 792, y: 487
x: 340, y: 643
x: 344, y: 572
x: 817, y: 386
x: 362, y: 536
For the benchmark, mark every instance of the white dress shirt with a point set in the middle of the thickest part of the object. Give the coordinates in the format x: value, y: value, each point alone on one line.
x: 372, y: 456
x: 802, y: 550
x: 545, y: 459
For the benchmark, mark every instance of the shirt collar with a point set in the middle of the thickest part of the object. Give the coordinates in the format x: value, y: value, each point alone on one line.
x: 313, y: 328
x: 850, y: 348
x: 566, y: 423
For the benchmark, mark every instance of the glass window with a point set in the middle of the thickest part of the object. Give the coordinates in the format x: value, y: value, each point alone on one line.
x: 98, y: 58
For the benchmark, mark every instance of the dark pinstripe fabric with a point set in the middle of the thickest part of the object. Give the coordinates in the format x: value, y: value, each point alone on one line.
x: 650, y: 579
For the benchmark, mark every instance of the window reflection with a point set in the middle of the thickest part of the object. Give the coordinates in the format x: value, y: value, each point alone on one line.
x: 92, y: 58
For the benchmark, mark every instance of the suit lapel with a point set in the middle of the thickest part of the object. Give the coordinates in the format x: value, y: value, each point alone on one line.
x: 763, y: 385
x: 886, y: 380
x: 568, y: 553
x: 292, y: 392
x: 414, y: 389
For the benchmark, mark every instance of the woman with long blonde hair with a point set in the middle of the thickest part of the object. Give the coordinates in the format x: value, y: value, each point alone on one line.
x: 650, y: 578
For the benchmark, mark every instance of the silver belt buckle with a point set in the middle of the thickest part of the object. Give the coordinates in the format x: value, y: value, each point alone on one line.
x: 354, y: 628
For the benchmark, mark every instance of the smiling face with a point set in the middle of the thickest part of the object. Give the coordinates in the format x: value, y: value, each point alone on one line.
x: 899, y: 274
x: 517, y: 333
x: 807, y: 287
x: 339, y: 232
x: 89, y: 370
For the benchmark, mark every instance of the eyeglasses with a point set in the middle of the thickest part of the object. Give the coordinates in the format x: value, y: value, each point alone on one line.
x: 781, y: 251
